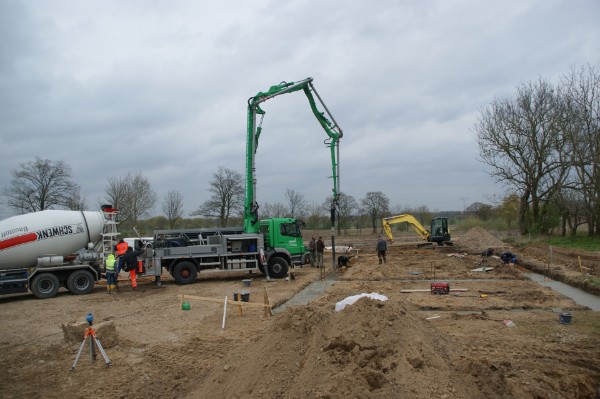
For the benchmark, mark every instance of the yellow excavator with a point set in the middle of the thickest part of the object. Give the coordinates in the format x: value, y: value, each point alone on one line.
x: 438, y: 233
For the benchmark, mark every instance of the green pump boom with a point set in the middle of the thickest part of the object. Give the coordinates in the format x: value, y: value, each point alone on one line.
x: 334, y: 133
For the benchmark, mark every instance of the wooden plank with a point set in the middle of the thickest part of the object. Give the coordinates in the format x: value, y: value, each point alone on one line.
x: 268, y: 311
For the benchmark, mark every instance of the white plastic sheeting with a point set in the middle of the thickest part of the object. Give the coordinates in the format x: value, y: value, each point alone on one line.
x: 351, y: 299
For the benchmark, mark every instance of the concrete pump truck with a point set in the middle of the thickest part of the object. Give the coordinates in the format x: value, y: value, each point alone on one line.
x: 271, y: 246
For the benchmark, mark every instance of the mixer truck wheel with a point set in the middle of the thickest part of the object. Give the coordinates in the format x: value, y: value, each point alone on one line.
x: 185, y: 272
x: 45, y: 285
x: 80, y: 282
x: 278, y: 267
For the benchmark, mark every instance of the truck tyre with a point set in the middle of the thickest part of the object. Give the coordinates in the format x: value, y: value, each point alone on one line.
x: 278, y: 267
x: 80, y: 282
x: 185, y: 272
x: 45, y: 285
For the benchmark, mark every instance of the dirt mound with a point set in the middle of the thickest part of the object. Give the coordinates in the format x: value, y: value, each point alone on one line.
x: 369, y: 349
x: 478, y: 240
x: 415, y: 345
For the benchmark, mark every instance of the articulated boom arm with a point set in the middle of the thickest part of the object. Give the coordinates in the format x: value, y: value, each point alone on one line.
x: 387, y: 222
x: 334, y: 133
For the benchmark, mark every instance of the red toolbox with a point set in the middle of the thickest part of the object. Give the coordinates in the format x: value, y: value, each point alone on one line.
x: 440, y: 288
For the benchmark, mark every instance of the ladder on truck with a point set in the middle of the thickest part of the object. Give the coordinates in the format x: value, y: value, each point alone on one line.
x: 110, y: 232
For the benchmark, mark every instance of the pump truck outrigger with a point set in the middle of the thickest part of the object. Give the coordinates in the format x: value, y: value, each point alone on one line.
x: 271, y: 246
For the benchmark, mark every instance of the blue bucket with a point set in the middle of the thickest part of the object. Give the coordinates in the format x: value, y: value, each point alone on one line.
x: 565, y: 318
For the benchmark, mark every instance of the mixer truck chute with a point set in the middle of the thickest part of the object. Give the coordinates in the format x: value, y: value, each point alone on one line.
x: 42, y: 251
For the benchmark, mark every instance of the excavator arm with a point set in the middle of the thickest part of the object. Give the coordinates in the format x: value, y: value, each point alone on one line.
x: 333, y: 131
x: 421, y: 231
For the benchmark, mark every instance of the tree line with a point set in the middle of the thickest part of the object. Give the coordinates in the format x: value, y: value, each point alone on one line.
x: 44, y: 184
x: 543, y: 145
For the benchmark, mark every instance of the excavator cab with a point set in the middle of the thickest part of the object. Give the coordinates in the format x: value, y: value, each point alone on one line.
x: 439, y: 231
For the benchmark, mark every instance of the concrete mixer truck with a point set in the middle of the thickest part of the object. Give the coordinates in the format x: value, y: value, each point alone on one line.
x: 43, y: 251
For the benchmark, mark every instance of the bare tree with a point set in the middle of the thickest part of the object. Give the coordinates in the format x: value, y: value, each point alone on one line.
x: 116, y: 192
x: 296, y: 204
x: 581, y: 97
x: 275, y: 210
x: 172, y: 207
x: 347, y: 206
x: 227, y: 188
x: 315, y: 212
x: 39, y: 185
x: 521, y: 140
x: 375, y: 205
x: 142, y: 198
x: 574, y: 210
x: 132, y: 195
x: 77, y: 201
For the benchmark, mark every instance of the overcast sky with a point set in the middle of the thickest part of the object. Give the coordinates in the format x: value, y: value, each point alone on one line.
x: 161, y: 88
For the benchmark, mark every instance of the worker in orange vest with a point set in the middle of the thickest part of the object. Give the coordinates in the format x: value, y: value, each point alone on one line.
x: 120, y: 249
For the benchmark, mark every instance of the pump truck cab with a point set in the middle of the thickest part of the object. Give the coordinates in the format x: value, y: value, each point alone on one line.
x: 272, y: 246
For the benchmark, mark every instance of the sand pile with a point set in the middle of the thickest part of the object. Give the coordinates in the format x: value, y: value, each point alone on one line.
x: 478, y: 240
x: 371, y: 349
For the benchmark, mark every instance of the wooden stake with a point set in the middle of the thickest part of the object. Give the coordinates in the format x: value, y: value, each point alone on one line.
x: 267, y: 309
x: 224, y: 312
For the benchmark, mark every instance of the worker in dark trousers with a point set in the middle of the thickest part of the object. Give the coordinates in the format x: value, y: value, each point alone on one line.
x: 320, y: 250
x: 312, y: 247
x: 131, y: 265
x: 343, y: 261
x: 381, y: 249
x: 120, y: 249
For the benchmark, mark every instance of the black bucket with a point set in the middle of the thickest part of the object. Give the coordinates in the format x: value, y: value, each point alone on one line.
x: 244, y: 295
x: 565, y: 318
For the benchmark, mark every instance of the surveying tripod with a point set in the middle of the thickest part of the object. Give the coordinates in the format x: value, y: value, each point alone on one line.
x: 91, y: 333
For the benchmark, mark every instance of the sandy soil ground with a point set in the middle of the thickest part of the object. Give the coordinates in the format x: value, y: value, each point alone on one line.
x: 414, y: 345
